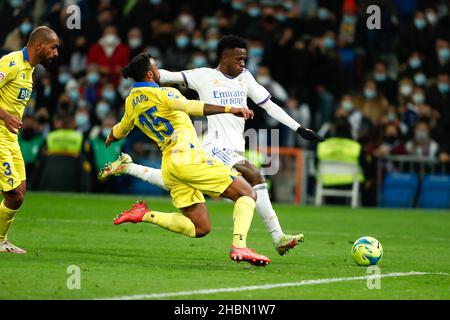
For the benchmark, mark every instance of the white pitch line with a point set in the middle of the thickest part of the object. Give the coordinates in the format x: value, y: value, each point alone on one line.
x: 268, y: 286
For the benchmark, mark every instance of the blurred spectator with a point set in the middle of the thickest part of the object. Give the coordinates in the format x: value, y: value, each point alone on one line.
x: 31, y: 140
x: 301, y: 113
x: 422, y: 144
x: 109, y: 54
x: 439, y: 95
x: 440, y: 61
x: 371, y: 103
x: 135, y: 41
x: 385, y: 83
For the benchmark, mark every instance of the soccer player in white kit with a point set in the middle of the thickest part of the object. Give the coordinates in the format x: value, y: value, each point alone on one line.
x: 228, y: 84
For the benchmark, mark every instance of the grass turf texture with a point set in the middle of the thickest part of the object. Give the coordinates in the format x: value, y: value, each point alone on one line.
x: 60, y: 230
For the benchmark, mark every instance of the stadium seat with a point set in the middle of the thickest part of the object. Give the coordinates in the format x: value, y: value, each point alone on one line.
x: 338, y: 169
x: 435, y: 192
x: 399, y: 190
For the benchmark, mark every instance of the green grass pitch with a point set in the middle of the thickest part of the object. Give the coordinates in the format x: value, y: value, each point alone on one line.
x: 60, y: 230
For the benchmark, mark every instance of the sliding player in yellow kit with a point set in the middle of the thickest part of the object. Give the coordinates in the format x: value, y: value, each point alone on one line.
x: 187, y: 171
x: 16, y: 84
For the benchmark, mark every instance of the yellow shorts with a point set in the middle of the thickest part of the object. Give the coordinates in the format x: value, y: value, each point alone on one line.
x: 191, y: 173
x: 12, y: 168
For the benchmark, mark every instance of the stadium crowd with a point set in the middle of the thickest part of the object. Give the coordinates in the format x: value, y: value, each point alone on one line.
x: 317, y: 58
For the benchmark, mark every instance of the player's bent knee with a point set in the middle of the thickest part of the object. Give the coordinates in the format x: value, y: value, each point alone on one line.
x: 202, y: 231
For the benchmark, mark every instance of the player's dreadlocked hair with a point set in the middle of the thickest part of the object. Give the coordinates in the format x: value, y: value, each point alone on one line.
x: 230, y: 42
x: 138, y: 67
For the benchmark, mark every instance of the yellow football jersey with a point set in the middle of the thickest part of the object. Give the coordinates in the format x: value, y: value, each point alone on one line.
x: 16, y: 85
x: 160, y: 113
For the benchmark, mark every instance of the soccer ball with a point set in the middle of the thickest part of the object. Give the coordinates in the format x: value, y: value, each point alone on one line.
x: 367, y: 251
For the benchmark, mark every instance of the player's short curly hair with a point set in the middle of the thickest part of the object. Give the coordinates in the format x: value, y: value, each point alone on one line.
x: 230, y: 42
x: 138, y: 67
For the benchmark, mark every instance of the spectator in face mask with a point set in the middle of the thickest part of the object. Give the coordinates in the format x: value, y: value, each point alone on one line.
x: 178, y: 56
x: 440, y: 60
x: 109, y: 54
x: 414, y: 36
x: 198, y: 60
x: 135, y: 41
x: 412, y: 65
x: 438, y: 95
x: 386, y: 85
x: 17, y: 38
x: 421, y: 144
x: 371, y: 103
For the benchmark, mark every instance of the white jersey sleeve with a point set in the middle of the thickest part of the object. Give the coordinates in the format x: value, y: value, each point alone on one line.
x: 194, y: 78
x: 170, y: 77
x: 255, y: 91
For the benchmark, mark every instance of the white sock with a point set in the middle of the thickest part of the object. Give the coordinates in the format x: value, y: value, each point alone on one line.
x: 148, y: 174
x: 265, y: 210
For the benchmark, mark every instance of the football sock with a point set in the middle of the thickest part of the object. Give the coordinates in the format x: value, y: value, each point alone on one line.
x: 6, y: 219
x: 175, y: 222
x: 265, y: 210
x: 242, y: 219
x: 148, y: 174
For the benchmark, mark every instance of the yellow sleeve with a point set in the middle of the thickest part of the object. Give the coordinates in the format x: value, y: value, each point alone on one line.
x: 125, y: 125
x: 8, y: 70
x: 176, y: 101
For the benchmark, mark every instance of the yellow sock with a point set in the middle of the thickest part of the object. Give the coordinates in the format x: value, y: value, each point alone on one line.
x: 6, y: 219
x: 242, y: 218
x: 175, y: 222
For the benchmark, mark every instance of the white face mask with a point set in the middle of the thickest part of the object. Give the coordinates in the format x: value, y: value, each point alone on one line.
x: 134, y: 43
x: 405, y: 90
x: 110, y: 40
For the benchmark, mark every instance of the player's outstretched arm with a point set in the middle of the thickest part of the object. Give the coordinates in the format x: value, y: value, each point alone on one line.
x: 12, y: 123
x: 279, y: 114
x: 170, y: 77
x: 210, y: 109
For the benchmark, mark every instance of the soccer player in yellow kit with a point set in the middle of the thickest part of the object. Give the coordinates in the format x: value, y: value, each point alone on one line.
x: 16, y: 85
x: 187, y: 171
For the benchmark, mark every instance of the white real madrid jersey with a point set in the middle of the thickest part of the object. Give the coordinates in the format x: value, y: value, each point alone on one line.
x: 214, y: 87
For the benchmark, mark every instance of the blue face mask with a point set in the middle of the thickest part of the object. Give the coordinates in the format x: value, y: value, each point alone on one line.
x: 213, y: 22
x: 25, y: 28
x: 93, y: 77
x: 420, y: 79
x: 369, y: 93
x: 443, y: 87
x: 254, y: 12
x: 256, y: 52
x: 82, y: 120
x: 322, y: 13
x: 182, y: 42
x: 444, y: 53
x: 109, y: 95
x: 200, y: 62
x: 63, y: 78
x: 197, y: 42
x: 380, y: 77
x: 47, y: 91
x: 212, y: 44
x: 15, y: 3
x: 74, y: 95
x: 420, y: 23
x: 281, y: 17
x: 237, y: 5
x: 102, y: 110
x: 415, y: 63
x: 329, y: 43
x: 155, y: 1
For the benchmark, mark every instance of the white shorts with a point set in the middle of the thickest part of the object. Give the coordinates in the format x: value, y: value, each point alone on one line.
x: 227, y: 156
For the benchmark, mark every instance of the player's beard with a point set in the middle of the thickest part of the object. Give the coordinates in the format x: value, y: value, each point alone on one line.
x: 46, y: 62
